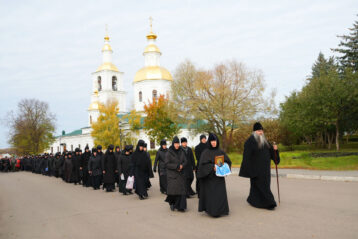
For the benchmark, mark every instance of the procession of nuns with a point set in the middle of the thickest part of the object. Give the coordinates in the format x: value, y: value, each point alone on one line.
x: 132, y: 170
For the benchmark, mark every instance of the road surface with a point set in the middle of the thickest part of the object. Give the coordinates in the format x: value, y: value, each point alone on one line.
x: 36, y: 206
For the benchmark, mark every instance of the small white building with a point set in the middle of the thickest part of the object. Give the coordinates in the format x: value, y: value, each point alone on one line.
x: 149, y: 82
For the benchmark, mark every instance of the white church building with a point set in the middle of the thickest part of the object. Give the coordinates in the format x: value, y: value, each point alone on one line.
x: 107, y: 83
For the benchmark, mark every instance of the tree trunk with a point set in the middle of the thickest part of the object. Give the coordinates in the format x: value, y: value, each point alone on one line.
x: 337, y: 136
x: 330, y: 138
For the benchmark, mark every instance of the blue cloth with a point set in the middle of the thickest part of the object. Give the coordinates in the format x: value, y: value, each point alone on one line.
x: 223, y: 170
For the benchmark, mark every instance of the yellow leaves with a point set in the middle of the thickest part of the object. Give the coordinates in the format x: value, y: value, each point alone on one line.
x: 106, y: 130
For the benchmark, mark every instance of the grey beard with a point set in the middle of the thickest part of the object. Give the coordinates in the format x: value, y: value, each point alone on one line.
x: 260, y: 139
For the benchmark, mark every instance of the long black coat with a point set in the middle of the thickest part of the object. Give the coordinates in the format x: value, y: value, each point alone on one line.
x: 67, y: 169
x: 75, y: 176
x: 124, y: 165
x: 256, y: 162
x: 190, y: 166
x: 95, y: 165
x: 175, y: 179
x: 198, y: 151
x: 213, y: 197
x: 160, y: 161
x: 256, y: 165
x: 142, y: 171
x: 109, y: 165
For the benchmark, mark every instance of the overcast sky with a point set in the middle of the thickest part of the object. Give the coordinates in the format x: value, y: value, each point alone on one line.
x: 48, y: 49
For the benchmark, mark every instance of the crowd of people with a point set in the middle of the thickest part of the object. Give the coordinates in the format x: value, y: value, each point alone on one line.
x: 175, y: 165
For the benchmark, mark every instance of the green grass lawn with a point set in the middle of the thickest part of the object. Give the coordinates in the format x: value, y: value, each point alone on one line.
x: 301, y: 158
x: 304, y: 160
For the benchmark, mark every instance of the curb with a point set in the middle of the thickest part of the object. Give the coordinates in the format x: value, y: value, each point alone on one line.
x: 319, y: 177
x: 235, y: 171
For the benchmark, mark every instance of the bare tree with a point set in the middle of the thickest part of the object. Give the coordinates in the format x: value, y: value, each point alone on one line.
x: 221, y: 98
x: 31, y: 127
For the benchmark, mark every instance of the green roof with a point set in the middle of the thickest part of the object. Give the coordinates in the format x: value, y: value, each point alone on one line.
x: 73, y: 133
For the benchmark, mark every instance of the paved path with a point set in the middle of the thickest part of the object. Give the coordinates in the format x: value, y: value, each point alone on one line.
x: 330, y: 175
x: 35, y: 206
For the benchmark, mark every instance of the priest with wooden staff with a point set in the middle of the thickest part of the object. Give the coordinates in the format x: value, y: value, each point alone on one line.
x: 256, y: 165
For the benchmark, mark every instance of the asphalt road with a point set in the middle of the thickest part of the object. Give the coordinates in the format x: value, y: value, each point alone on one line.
x: 35, y: 206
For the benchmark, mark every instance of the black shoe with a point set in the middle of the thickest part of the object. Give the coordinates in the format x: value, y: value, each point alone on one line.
x: 141, y: 197
x: 172, y: 207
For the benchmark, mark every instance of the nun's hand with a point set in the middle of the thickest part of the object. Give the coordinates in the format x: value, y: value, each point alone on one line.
x: 104, y: 172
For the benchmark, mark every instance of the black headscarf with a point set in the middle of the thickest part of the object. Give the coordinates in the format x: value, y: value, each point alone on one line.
x: 213, y: 137
x: 175, y: 141
x: 140, y: 143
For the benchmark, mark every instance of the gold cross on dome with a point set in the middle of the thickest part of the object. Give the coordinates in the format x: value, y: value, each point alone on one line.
x: 150, y: 23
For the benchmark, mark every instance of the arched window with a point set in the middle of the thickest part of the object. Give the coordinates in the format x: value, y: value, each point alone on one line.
x: 99, y: 83
x: 154, y: 93
x: 114, y: 83
x: 90, y: 119
x: 140, y: 96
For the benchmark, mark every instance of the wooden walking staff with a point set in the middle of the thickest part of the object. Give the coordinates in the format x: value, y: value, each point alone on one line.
x: 278, y: 185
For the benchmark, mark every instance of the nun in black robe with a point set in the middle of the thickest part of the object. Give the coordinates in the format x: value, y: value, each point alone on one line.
x: 76, y: 159
x: 95, y: 169
x: 117, y: 153
x: 256, y: 165
x: 198, y: 151
x: 109, y: 166
x: 142, y: 170
x: 86, y: 182
x: 67, y: 167
x: 175, y: 163
x: 160, y: 161
x: 213, y: 197
x: 124, y: 165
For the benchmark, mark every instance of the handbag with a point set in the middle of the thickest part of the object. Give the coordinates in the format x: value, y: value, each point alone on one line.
x: 130, y: 182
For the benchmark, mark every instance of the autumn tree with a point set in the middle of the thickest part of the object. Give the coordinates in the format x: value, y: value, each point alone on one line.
x: 32, y: 127
x: 159, y: 122
x: 106, y: 130
x: 223, y: 97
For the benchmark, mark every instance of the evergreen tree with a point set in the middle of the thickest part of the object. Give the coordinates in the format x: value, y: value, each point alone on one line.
x: 348, y: 48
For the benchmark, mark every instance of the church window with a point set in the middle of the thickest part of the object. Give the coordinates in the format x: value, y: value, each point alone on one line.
x: 99, y: 83
x: 90, y: 119
x: 114, y: 83
x: 154, y: 94
x: 140, y: 96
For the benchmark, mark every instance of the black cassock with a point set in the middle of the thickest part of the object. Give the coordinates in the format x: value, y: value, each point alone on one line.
x: 124, y: 167
x: 75, y: 176
x: 142, y: 171
x: 67, y: 169
x: 213, y: 197
x: 256, y: 165
x: 109, y: 165
x: 84, y: 164
x: 162, y: 171
x: 199, y: 149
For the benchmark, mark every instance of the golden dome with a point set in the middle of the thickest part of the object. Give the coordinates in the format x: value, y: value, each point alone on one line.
x: 151, y: 48
x: 107, y: 66
x: 106, y: 47
x: 152, y: 73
